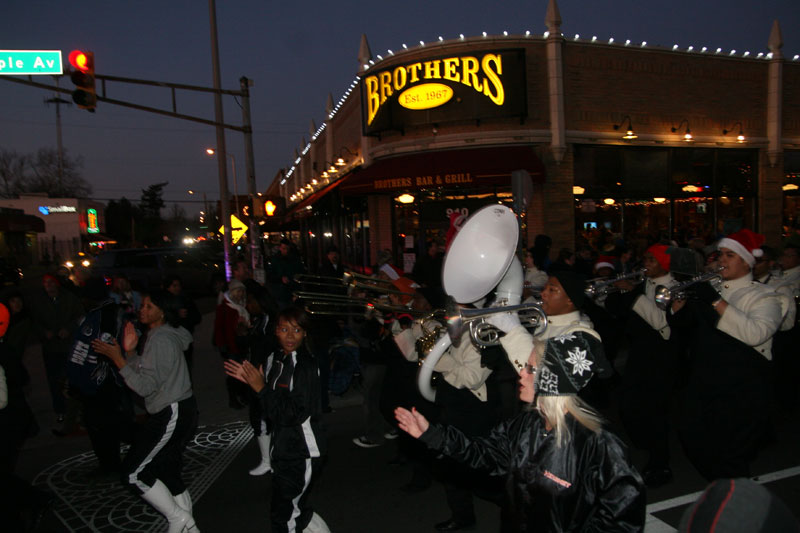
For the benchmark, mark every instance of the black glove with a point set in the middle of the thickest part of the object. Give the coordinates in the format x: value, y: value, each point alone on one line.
x: 704, y: 292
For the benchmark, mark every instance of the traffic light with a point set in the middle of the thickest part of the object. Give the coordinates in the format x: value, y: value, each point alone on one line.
x: 83, y: 78
x: 274, y: 206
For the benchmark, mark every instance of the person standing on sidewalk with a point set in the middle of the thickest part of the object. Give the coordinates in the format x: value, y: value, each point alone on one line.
x: 160, y: 375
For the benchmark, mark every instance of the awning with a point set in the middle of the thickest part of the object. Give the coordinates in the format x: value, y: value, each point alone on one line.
x: 473, y: 168
x: 21, y: 223
x: 314, y: 197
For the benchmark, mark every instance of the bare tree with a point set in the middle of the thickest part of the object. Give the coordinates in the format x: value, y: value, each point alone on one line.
x: 12, y: 172
x: 45, y: 176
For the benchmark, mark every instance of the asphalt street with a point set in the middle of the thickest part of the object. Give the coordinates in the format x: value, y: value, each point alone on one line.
x: 359, y: 489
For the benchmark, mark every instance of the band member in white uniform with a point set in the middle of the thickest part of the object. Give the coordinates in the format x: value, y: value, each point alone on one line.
x: 726, y: 402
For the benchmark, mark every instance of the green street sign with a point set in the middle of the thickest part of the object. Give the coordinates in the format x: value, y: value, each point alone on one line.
x: 24, y: 62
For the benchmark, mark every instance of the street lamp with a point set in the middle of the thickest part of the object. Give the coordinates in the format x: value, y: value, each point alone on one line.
x: 211, y: 151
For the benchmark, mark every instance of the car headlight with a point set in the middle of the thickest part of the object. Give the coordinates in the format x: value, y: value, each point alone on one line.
x: 68, y: 264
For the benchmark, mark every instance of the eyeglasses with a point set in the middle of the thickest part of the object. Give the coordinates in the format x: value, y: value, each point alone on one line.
x: 529, y: 368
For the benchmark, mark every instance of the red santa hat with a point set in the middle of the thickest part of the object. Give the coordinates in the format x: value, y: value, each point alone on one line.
x: 659, y: 252
x: 605, y: 261
x: 745, y: 243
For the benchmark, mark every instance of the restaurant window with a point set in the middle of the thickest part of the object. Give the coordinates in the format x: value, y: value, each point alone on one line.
x: 657, y: 193
x: 791, y: 192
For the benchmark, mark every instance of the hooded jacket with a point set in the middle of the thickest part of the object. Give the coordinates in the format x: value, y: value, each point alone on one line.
x: 160, y: 374
x: 586, y: 485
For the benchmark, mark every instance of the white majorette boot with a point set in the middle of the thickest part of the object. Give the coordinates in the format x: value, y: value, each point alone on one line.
x: 184, y: 499
x: 265, y: 465
x: 316, y: 525
x: 164, y: 502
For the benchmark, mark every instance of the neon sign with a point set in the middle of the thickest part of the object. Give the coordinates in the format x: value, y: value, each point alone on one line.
x: 93, y: 226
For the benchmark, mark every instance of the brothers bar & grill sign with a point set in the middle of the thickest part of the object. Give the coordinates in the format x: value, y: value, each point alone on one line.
x: 465, y: 87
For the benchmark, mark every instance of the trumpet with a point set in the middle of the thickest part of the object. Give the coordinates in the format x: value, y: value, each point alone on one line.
x: 604, y: 287
x: 666, y: 295
x: 483, y: 334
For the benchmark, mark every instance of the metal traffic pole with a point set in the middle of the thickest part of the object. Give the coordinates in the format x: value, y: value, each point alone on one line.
x: 222, y: 163
x: 256, y: 259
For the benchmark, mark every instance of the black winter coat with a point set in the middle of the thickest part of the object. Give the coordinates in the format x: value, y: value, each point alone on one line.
x: 586, y: 485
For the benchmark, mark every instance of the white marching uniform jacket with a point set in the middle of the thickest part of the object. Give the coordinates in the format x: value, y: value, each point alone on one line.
x: 788, y: 286
x: 460, y: 367
x: 518, y: 343
x: 754, y: 313
x: 645, y: 305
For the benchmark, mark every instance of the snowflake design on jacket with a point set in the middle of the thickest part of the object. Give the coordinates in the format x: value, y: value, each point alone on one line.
x: 577, y: 358
x: 565, y: 337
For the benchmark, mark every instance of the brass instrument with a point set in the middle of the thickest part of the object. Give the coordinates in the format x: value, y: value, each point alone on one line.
x: 427, y: 341
x: 483, y: 334
x: 349, y: 280
x: 666, y: 295
x: 320, y: 303
x: 603, y: 287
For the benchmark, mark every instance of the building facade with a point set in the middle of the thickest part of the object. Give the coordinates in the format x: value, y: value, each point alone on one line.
x: 586, y: 139
x: 70, y: 225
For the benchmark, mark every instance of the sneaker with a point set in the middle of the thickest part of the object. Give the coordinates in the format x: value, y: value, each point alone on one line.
x: 364, y: 442
x: 391, y: 434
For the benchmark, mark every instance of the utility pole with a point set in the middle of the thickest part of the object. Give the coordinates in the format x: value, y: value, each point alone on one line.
x: 58, y: 101
x: 222, y: 163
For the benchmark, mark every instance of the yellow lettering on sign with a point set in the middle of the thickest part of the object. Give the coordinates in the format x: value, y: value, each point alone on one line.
x: 373, y: 101
x: 425, y: 96
x: 483, y: 75
x: 489, y: 61
x: 470, y: 73
x: 450, y: 69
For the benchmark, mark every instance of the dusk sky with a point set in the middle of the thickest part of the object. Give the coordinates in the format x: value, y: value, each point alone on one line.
x: 296, y: 53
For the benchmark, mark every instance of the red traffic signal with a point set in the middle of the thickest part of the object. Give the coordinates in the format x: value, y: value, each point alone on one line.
x: 83, y: 77
x: 79, y: 60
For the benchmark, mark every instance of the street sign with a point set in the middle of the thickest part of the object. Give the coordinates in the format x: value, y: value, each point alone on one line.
x: 24, y: 62
x: 237, y: 229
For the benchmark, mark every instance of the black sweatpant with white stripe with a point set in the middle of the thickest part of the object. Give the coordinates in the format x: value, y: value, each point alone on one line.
x: 157, y: 450
x: 290, y: 510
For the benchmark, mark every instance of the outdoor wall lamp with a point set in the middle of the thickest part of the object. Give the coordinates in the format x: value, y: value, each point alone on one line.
x: 739, y: 138
x: 340, y: 161
x: 629, y: 134
x: 687, y: 136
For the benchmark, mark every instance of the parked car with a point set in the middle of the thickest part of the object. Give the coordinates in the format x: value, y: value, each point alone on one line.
x: 146, y: 268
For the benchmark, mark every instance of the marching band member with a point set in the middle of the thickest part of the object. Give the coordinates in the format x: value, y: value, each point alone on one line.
x: 784, y: 346
x: 160, y: 375
x: 729, y: 331
x: 290, y: 397
x: 648, y: 379
x: 562, y: 298
x: 462, y: 398
x: 563, y: 471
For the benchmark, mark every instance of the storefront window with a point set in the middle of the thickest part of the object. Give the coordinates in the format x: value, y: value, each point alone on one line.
x: 676, y: 193
x: 791, y: 193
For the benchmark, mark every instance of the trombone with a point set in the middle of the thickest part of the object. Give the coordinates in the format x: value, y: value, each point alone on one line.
x: 349, y: 280
x: 603, y: 287
x: 666, y: 295
x: 324, y: 304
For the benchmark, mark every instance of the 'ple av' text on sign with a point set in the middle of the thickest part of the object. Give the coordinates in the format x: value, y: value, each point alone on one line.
x: 25, y: 62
